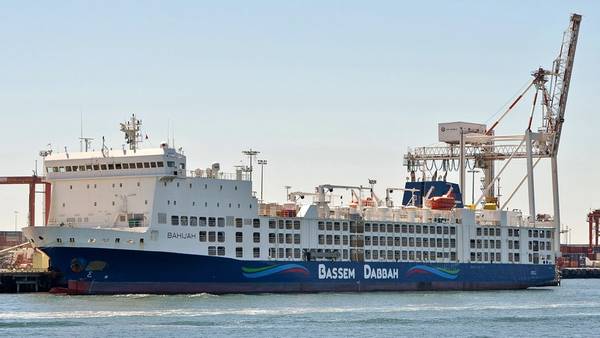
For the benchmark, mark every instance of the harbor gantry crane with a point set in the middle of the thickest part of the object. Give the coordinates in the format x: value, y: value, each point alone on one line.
x: 483, y: 149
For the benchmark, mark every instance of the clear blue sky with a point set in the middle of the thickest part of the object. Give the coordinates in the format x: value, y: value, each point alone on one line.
x: 329, y: 91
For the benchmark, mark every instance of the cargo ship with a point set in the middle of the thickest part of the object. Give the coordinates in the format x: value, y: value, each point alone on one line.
x: 138, y: 220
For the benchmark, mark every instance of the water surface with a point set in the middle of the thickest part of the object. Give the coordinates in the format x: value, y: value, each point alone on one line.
x: 570, y: 310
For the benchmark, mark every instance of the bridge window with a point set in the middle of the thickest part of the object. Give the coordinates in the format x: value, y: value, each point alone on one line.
x: 125, y: 165
x: 118, y: 166
x: 174, y: 220
x: 184, y: 220
x: 153, y: 164
x: 202, y: 236
x: 131, y: 165
x: 160, y: 164
x: 193, y: 221
x: 146, y: 164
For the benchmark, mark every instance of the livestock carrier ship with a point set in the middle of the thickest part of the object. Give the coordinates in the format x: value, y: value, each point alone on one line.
x: 137, y: 220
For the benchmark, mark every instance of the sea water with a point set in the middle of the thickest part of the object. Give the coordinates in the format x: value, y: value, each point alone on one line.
x: 572, y: 309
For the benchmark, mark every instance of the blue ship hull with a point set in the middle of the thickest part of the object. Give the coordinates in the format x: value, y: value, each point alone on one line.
x: 111, y: 271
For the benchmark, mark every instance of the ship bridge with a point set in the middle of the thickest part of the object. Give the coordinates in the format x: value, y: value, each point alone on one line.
x: 162, y: 161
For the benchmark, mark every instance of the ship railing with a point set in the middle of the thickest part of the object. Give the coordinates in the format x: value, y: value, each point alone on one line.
x: 238, y: 176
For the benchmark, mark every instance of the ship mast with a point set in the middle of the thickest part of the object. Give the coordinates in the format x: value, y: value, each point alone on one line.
x: 131, y: 129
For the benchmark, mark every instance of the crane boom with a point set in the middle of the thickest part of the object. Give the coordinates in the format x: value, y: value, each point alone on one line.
x: 563, y: 67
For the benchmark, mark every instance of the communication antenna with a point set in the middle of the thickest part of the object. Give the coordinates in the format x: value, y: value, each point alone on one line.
x: 131, y: 129
x: 372, y: 183
x: 251, y: 155
x: 104, y: 149
x: 287, y: 191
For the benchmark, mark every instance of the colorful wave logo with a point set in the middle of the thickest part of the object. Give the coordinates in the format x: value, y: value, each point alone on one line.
x: 273, y: 269
x: 424, y: 269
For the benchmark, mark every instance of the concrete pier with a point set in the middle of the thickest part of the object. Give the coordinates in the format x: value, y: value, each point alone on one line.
x: 26, y: 281
x: 572, y: 273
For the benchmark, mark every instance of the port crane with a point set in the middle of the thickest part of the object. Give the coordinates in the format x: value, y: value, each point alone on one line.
x: 483, y: 149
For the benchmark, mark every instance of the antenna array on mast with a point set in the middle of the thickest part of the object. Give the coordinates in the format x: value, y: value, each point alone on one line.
x: 131, y: 129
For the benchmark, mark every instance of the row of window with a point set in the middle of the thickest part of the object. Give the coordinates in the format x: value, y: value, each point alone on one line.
x: 487, y: 257
x: 513, y: 245
x: 219, y: 236
x: 239, y: 252
x: 409, y: 255
x: 333, y: 240
x: 540, y: 245
x: 488, y: 232
x: 540, y: 233
x: 285, y: 253
x: 287, y: 238
x: 239, y: 237
x: 485, y: 244
x: 212, y: 236
x: 333, y: 226
x: 210, y: 221
x: 411, y: 228
x: 513, y: 232
x: 285, y: 224
x: 411, y: 242
x: 111, y: 166
x: 216, y: 251
x: 93, y: 240
x: 535, y: 258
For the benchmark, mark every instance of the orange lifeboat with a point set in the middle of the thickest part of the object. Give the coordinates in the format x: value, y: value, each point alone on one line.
x: 368, y: 202
x: 444, y: 202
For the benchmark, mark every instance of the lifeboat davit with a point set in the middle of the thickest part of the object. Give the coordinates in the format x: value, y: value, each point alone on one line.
x: 444, y: 202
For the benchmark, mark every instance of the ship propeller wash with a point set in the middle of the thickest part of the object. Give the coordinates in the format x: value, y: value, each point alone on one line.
x: 137, y: 220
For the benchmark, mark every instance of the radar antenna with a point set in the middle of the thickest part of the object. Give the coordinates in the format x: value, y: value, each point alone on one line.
x: 131, y: 129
